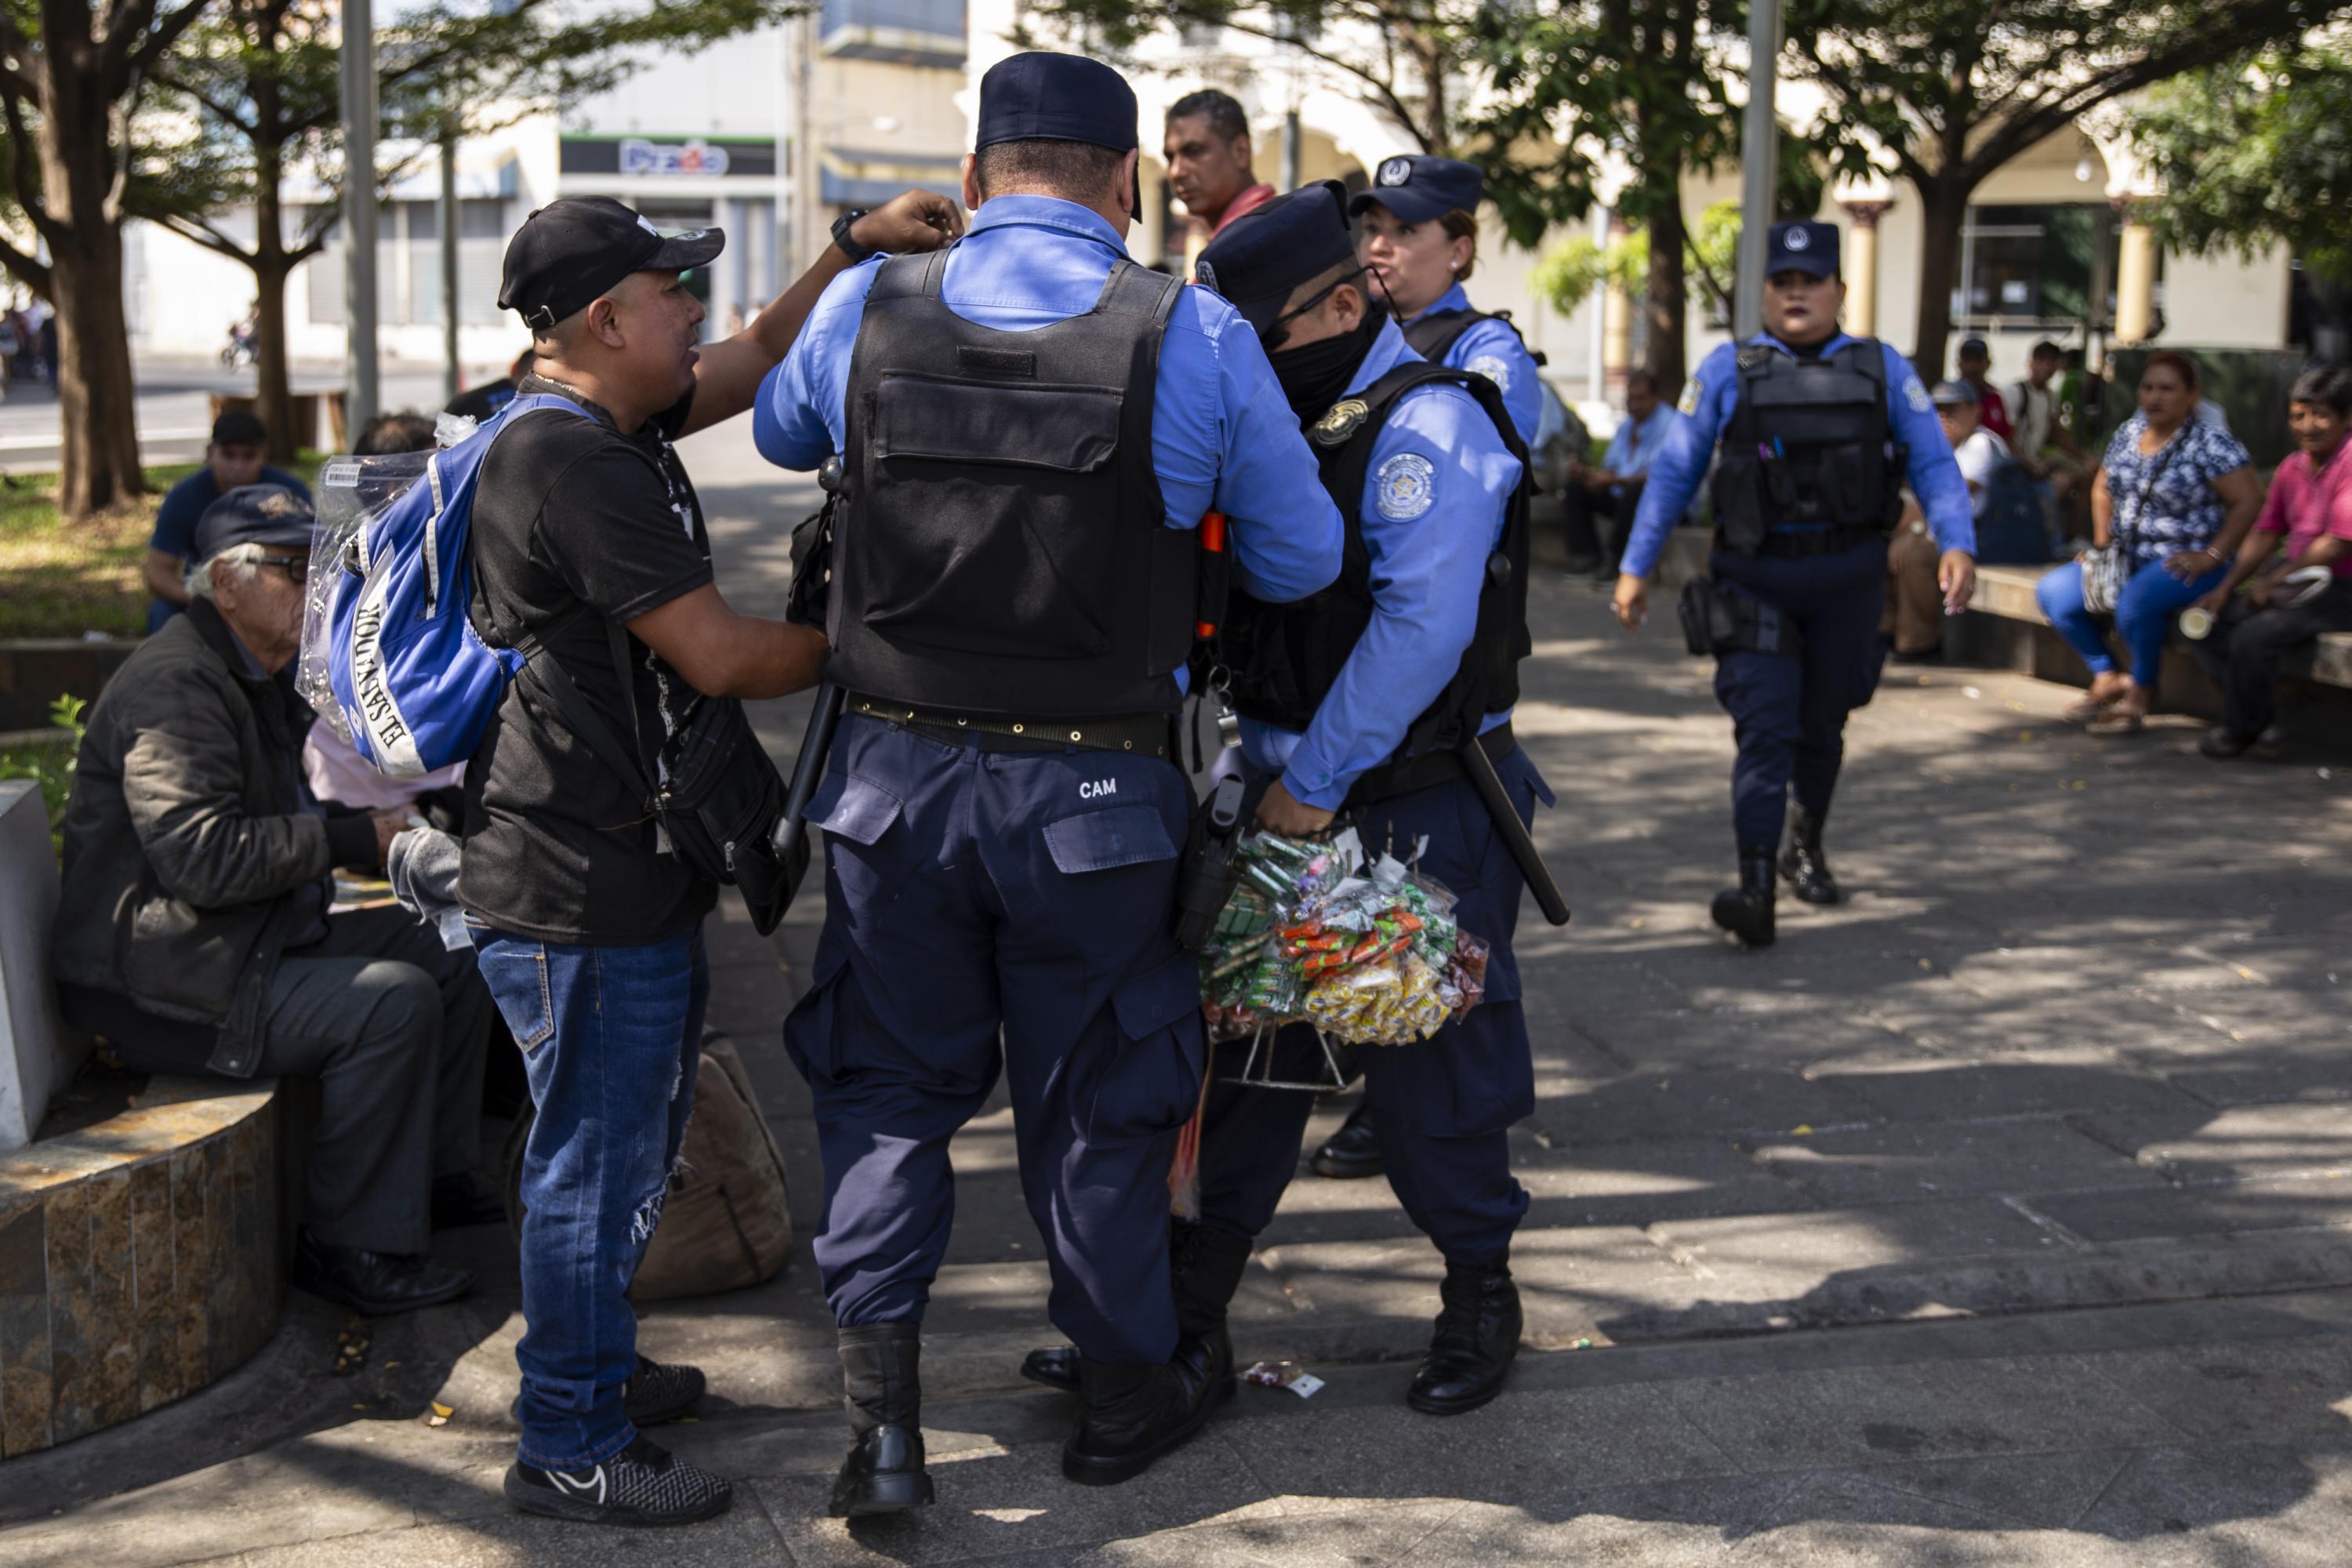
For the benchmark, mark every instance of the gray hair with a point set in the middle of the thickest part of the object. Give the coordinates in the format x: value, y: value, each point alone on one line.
x: 246, y: 558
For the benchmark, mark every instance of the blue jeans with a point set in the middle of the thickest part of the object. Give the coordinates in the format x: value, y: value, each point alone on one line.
x: 2151, y: 597
x: 611, y: 1038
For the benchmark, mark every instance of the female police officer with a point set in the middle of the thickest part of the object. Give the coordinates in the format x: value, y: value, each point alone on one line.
x: 1818, y: 431
x: 1415, y: 231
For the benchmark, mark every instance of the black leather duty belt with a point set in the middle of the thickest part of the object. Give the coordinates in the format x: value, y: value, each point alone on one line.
x: 1147, y: 734
x: 1809, y: 542
x: 1426, y: 769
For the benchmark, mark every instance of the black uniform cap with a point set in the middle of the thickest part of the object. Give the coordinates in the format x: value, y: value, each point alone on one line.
x: 1264, y: 256
x: 1417, y: 188
x: 1043, y: 97
x: 1802, y: 247
x: 571, y: 252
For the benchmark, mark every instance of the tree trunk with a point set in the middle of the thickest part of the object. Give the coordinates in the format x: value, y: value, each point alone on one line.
x: 1943, y: 214
x: 1668, y: 296
x: 98, y: 432
x: 273, y: 382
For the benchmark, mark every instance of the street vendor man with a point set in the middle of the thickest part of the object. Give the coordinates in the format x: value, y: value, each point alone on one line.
x: 1819, y: 431
x: 1029, y: 429
x: 1353, y: 700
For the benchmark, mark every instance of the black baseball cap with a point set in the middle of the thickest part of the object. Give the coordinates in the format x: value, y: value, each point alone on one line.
x: 571, y: 252
x: 1807, y: 246
x: 1263, y: 256
x: 254, y: 515
x: 1418, y: 187
x: 1044, y: 96
x: 240, y: 427
x: 1953, y: 394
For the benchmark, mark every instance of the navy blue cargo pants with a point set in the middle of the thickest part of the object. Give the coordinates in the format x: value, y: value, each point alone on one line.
x: 1443, y: 1106
x: 991, y: 911
x: 1788, y: 713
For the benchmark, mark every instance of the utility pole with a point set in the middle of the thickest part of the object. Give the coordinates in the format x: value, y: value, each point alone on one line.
x: 359, y: 96
x: 1759, y: 156
x: 1290, y: 150
x: 452, y: 374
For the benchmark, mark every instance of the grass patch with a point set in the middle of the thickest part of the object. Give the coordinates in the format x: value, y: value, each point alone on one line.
x: 62, y: 579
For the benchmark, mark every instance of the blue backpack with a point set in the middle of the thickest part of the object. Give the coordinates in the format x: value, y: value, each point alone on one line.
x: 413, y: 680
x: 2014, y: 529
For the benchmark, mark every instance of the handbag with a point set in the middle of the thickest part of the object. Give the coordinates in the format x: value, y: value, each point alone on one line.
x: 2108, y: 567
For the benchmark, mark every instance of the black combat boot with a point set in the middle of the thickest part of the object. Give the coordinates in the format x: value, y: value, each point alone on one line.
x: 1802, y: 862
x: 1352, y: 1151
x: 1477, y: 1337
x: 884, y: 1472
x: 1746, y: 912
x: 1133, y: 1414
x: 1205, y: 1270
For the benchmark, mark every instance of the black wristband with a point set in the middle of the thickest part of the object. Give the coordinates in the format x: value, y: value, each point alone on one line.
x: 351, y: 840
x: 850, y: 247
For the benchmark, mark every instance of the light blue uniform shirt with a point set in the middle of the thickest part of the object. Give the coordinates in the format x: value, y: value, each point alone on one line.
x: 1222, y: 435
x: 1432, y: 511
x: 1635, y: 447
x: 1683, y: 458
x: 1493, y: 350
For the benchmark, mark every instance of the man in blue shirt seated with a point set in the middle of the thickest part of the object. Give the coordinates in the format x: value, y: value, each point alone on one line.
x: 238, y: 456
x: 1614, y: 489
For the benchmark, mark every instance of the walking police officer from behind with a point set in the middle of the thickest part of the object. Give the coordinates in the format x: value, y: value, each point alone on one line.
x: 1818, y: 431
x: 1417, y: 229
x: 1362, y: 698
x: 1030, y: 428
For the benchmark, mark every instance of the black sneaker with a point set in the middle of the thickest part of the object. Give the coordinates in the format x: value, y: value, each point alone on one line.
x: 642, y: 1485
x: 655, y: 1393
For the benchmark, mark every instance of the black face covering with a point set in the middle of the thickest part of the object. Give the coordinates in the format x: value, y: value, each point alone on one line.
x: 1313, y: 376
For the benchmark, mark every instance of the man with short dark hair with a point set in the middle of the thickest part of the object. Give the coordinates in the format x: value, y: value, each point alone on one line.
x: 1973, y: 364
x: 588, y: 541
x: 1207, y: 146
x: 1031, y: 428
x: 1613, y: 491
x: 237, y: 455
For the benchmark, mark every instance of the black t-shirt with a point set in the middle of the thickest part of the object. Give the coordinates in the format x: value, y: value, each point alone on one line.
x: 576, y: 525
x: 478, y: 403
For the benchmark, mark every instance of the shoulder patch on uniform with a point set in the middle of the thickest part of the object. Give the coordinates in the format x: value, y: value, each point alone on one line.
x: 1345, y: 418
x: 1405, y: 486
x: 1753, y: 355
x: 1687, y: 405
x: 1916, y: 395
x: 1493, y: 368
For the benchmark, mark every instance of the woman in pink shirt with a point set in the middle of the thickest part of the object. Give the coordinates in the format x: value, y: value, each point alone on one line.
x: 2285, y: 608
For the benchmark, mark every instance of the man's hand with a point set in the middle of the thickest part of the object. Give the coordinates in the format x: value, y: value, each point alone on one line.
x: 1956, y: 573
x: 1280, y: 812
x: 1631, y: 601
x: 909, y: 222
x: 389, y: 826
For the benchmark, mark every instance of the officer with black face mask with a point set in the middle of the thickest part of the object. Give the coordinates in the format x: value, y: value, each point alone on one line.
x: 1030, y: 427
x: 1360, y: 698
x: 1818, y: 431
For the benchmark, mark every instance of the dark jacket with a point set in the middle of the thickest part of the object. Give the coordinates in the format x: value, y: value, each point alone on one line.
x: 190, y: 859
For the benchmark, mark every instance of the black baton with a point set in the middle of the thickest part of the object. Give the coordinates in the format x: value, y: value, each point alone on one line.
x: 1497, y: 800
x: 791, y: 842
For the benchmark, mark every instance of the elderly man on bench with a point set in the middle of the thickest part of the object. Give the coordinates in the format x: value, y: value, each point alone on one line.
x: 194, y: 929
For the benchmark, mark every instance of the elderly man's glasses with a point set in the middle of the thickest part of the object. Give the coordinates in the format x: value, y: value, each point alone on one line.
x: 295, y: 567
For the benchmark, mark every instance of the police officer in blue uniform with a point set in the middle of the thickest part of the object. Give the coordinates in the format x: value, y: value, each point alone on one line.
x: 1818, y: 432
x: 1417, y: 229
x: 1356, y: 699
x: 1030, y: 428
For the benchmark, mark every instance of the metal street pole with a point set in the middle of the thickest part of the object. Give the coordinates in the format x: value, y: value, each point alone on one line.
x: 359, y: 101
x: 452, y: 374
x: 1760, y: 152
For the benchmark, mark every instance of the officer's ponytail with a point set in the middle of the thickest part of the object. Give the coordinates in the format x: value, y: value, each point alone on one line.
x: 1460, y: 225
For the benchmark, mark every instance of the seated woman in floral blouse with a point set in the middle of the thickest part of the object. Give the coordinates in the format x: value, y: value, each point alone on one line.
x: 2177, y: 494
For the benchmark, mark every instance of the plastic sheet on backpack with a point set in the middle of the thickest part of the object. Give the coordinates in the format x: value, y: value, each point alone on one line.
x: 351, y: 492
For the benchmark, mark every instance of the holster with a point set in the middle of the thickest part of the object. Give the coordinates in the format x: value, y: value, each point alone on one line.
x: 1718, y: 619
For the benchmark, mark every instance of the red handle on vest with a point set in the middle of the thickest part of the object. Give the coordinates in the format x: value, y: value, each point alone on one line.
x: 1213, y: 540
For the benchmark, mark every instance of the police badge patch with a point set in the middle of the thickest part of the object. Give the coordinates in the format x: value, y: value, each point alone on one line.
x: 1689, y: 404
x: 1916, y: 395
x: 1405, y: 486
x: 1394, y: 172
x: 1492, y: 369
x: 1345, y: 417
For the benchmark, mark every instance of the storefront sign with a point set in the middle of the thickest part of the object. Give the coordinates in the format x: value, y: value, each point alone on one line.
x: 656, y: 158
x: 642, y: 157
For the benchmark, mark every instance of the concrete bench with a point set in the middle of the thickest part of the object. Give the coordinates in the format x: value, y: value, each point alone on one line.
x: 2005, y: 594
x: 142, y: 1241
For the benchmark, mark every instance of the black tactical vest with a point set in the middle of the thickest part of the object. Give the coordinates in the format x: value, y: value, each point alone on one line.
x: 1001, y: 546
x: 1285, y: 659
x: 1433, y: 337
x: 1809, y: 444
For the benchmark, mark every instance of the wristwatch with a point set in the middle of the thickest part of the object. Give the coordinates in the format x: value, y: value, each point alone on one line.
x: 850, y: 247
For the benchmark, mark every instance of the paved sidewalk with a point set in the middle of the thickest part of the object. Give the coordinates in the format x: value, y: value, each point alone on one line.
x: 2076, y: 1041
